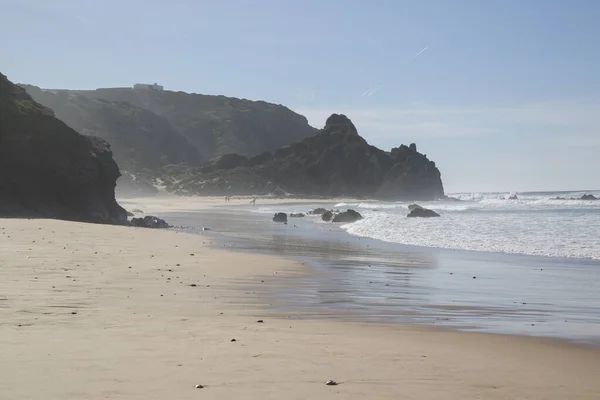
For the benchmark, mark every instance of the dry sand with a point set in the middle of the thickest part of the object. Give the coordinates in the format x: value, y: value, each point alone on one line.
x: 89, y: 312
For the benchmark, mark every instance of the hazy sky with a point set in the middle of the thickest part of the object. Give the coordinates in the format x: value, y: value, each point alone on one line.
x: 502, y: 94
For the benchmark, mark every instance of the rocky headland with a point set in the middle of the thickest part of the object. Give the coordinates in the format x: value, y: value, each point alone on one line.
x: 48, y: 169
x: 335, y: 162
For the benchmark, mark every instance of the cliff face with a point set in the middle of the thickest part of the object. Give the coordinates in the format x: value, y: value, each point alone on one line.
x: 149, y: 130
x: 218, y: 125
x: 171, y: 135
x: 413, y: 173
x: 335, y: 162
x: 140, y: 139
x: 198, y: 127
x: 48, y: 169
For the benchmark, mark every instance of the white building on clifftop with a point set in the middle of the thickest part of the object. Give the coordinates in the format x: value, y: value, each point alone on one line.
x: 147, y: 86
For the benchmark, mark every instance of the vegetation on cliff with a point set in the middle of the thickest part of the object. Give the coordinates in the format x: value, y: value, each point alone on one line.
x: 199, y: 127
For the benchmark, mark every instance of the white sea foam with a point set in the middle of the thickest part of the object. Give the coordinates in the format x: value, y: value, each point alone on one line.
x: 534, y: 224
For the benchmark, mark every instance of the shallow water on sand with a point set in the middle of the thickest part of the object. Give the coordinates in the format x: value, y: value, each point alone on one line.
x: 365, y: 279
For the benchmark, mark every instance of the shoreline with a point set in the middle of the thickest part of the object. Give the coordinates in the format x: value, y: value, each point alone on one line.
x: 134, y: 333
x: 177, y: 204
x: 526, y: 310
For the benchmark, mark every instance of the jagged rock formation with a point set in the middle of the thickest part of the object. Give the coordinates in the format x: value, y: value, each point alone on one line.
x: 347, y: 216
x: 421, y: 212
x: 335, y: 162
x: 317, y: 211
x: 47, y: 169
x: 150, y: 221
x: 326, y: 216
x: 412, y: 173
x: 280, y: 217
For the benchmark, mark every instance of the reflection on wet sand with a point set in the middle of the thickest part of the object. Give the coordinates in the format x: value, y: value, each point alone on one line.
x: 353, y: 278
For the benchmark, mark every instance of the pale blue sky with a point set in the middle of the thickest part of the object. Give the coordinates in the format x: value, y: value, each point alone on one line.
x: 505, y: 96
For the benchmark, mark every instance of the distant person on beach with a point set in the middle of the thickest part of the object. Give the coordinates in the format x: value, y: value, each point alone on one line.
x: 253, y: 201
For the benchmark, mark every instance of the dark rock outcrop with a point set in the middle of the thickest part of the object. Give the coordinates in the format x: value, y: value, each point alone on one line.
x: 149, y: 221
x: 339, y: 124
x: 280, y: 217
x: 513, y: 197
x: 588, y: 197
x: 326, y: 216
x: 347, y: 216
x: 297, y: 215
x: 334, y: 163
x: 48, y: 169
x: 411, y: 176
x: 317, y: 211
x: 423, y: 213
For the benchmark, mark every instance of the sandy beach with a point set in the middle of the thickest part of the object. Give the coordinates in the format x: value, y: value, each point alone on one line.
x: 94, y: 311
x: 169, y: 203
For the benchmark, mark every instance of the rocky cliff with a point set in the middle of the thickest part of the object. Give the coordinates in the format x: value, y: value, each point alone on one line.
x: 335, y: 162
x: 149, y: 130
x: 139, y: 123
x: 139, y: 138
x: 48, y: 169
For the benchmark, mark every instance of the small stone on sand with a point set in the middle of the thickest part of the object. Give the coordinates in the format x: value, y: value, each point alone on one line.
x: 199, y: 387
x: 331, y: 383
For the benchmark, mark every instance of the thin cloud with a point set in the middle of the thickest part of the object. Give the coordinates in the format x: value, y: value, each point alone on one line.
x: 420, y: 52
x: 371, y: 91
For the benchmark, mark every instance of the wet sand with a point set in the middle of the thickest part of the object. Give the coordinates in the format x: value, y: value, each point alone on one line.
x: 359, y: 279
x: 92, y: 311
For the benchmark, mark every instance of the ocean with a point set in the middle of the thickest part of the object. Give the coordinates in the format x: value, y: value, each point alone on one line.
x: 537, y: 223
x: 528, y: 267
